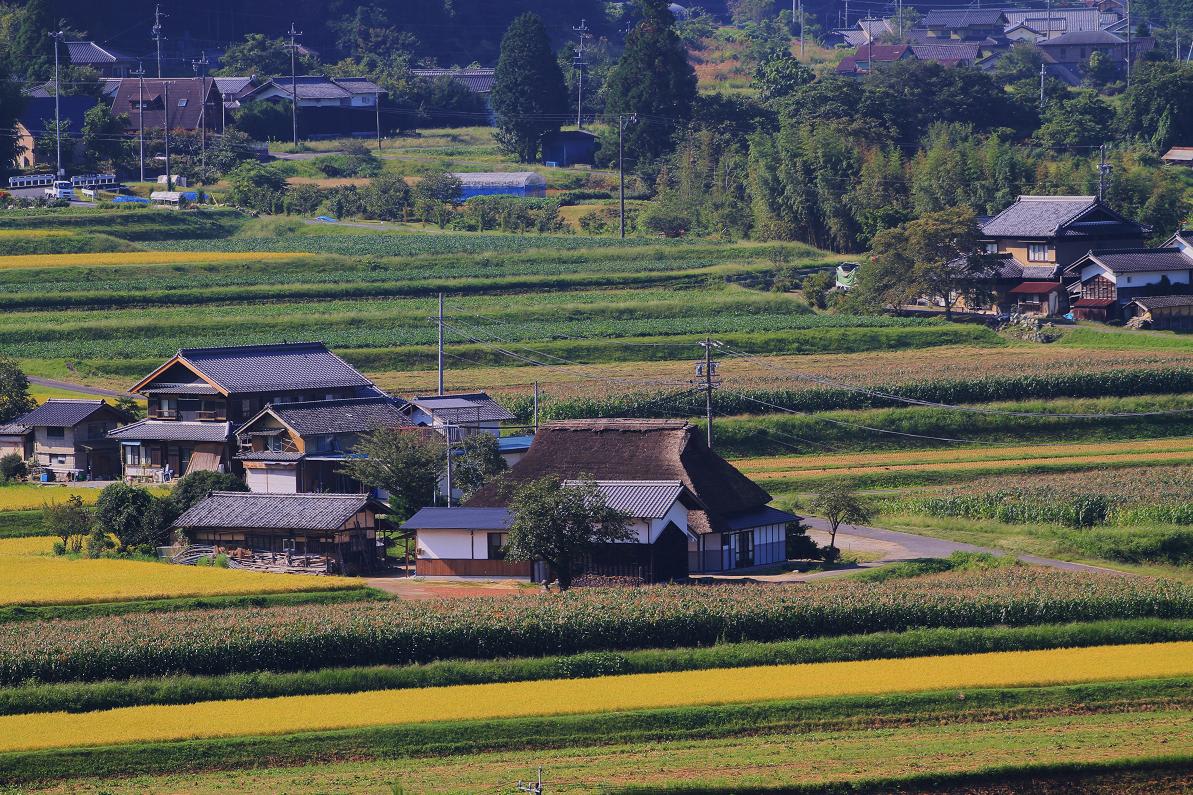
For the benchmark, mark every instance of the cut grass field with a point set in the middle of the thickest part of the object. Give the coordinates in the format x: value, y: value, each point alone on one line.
x: 130, y: 259
x: 1016, y: 458
x: 615, y: 693
x: 30, y: 575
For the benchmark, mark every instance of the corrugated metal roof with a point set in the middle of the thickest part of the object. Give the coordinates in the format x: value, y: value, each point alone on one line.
x: 327, y: 512
x: 268, y: 455
x: 499, y: 179
x: 1035, y: 288
x: 63, y: 412
x: 287, y: 367
x: 168, y: 431
x: 641, y: 499
x: 459, y: 519
x: 514, y: 444
x: 961, y: 51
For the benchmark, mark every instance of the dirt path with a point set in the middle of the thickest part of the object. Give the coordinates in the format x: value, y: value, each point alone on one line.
x: 86, y: 390
x: 421, y: 589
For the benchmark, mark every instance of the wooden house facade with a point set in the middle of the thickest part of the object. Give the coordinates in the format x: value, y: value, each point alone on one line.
x: 1104, y: 282
x: 70, y: 438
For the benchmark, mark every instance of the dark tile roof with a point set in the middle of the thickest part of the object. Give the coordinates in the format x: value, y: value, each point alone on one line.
x: 1066, y: 19
x: 233, y: 87
x: 66, y: 413
x: 642, y: 499
x: 1082, y: 38
x: 1005, y: 266
x: 88, y: 53
x: 39, y: 110
x: 478, y: 81
x: 185, y: 101
x: 619, y: 449
x: 322, y: 87
x: 14, y: 429
x: 169, y: 431
x: 287, y: 367
x: 356, y: 415
x: 459, y: 519
x: 359, y: 85
x: 1142, y: 260
x: 1038, y: 216
x: 1164, y: 301
x: 963, y: 18
x: 269, y: 455
x: 195, y: 388
x: 958, y: 52
x: 463, y: 409
x: 327, y: 512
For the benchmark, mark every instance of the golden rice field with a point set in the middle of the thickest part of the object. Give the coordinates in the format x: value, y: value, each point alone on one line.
x: 116, y: 259
x: 1134, y: 452
x: 31, y: 496
x: 607, y: 694
x: 30, y: 575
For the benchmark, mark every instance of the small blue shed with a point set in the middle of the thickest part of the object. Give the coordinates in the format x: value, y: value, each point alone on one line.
x: 569, y: 147
x: 528, y: 184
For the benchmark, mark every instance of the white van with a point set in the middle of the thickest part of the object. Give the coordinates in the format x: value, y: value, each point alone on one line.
x: 61, y: 189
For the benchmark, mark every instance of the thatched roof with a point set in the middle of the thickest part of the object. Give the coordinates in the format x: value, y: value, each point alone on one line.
x: 619, y: 449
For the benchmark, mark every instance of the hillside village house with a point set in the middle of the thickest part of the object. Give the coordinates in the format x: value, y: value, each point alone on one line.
x: 70, y: 438
x: 460, y: 415
x: 300, y: 447
x: 965, y: 24
x: 184, y: 103
x: 36, y: 122
x: 105, y: 60
x: 724, y: 519
x: 310, y: 533
x: 1104, y: 282
x: 200, y: 395
x: 326, y: 105
x: 1055, y: 231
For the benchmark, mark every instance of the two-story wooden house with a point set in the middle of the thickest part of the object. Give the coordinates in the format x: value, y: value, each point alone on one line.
x: 70, y: 438
x: 200, y: 395
x: 1053, y: 232
x: 300, y: 447
x: 460, y: 415
x: 1104, y: 282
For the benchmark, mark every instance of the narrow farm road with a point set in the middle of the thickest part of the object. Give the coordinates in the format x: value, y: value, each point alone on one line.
x: 66, y: 385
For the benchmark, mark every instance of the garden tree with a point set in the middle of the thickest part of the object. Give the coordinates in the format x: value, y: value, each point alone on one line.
x: 128, y: 513
x: 228, y: 151
x: 191, y: 488
x: 558, y: 524
x: 1084, y: 120
x: 838, y: 504
x: 256, y: 187
x: 1018, y: 64
x: 12, y: 466
x: 478, y: 463
x: 816, y: 287
x: 14, y: 391
x: 445, y: 102
x: 263, y: 121
x: 529, y: 96
x: 302, y: 199
x: 68, y: 520
x: 780, y: 77
x: 405, y: 462
x: 654, y: 80
x: 767, y: 40
x: 344, y: 201
x: 105, y: 143
x: 1101, y: 70
x: 1158, y: 107
x: 437, y: 196
x: 264, y: 57
x: 387, y: 198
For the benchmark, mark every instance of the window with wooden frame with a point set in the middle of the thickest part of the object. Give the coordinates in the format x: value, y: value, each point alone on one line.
x: 1037, y: 252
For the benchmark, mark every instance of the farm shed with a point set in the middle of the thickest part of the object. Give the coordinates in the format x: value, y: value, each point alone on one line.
x: 1179, y: 156
x: 1037, y: 298
x: 333, y: 532
x: 569, y: 147
x: 1167, y: 312
x: 16, y: 438
x: 471, y: 541
x: 527, y: 184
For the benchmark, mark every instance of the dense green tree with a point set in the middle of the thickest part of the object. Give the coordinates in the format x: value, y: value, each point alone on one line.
x: 1084, y: 120
x: 256, y: 187
x: 437, y: 196
x: 303, y: 199
x: 264, y: 57
x: 529, y: 95
x: 264, y: 121
x: 780, y: 77
x: 654, y: 80
x: 1101, y: 70
x: 478, y: 462
x: 69, y: 521
x: 192, y: 488
x: 1158, y: 107
x: 558, y: 524
x: 105, y: 143
x: 121, y: 510
x: 11, y: 103
x: 407, y: 463
x: 14, y: 391
x: 344, y: 201
x: 31, y: 50
x: 387, y: 198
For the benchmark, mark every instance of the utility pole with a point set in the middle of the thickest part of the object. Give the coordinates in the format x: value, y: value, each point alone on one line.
x: 846, y: 25
x: 579, y: 63
x: 448, y: 429
x: 157, y: 36
x: 900, y: 20
x: 1103, y: 170
x: 869, y: 46
x: 166, y: 131
x: 377, y: 105
x: 294, y: 34
x: 1129, y: 43
x: 441, y: 343
x: 536, y: 406
x: 1043, y: 74
x: 801, y: 29
x: 707, y: 372
x: 140, y: 75
x: 57, y: 37
x: 200, y: 66
x: 1048, y: 21
x: 621, y: 123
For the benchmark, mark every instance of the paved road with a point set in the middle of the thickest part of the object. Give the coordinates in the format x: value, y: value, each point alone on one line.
x: 86, y: 390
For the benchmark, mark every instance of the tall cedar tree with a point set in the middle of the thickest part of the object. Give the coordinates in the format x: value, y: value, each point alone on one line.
x: 529, y: 95
x: 31, y: 50
x: 654, y: 80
